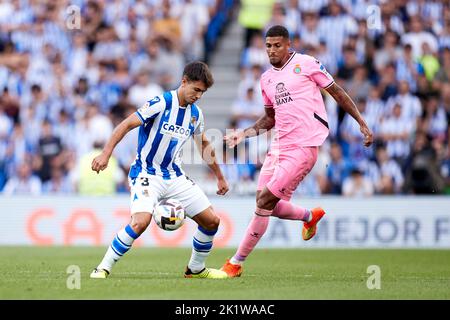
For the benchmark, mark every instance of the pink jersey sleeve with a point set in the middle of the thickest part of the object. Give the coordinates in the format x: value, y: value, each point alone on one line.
x: 319, y: 74
x: 267, y: 102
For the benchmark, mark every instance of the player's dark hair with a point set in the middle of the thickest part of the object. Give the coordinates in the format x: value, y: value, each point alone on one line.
x: 198, y: 71
x: 278, y: 31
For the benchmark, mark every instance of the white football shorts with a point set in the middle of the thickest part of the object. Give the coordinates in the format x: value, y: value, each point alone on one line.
x: 147, y: 190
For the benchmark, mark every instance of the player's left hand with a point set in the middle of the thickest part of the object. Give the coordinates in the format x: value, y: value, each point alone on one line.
x: 368, y: 135
x: 222, y: 186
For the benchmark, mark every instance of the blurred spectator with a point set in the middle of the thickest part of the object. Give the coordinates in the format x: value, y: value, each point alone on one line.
x: 348, y: 64
x: 351, y: 134
x: 246, y: 111
x: 255, y: 54
x: 159, y: 58
x: 9, y: 105
x: 388, y: 83
x: 236, y: 166
x: 389, y: 53
x: 443, y: 74
x: 338, y: 169
x: 88, y: 182
x: 293, y: 16
x: 309, y: 32
x: 385, y: 173
x: 397, y: 133
x: 59, y: 183
x: 24, y: 182
x: 49, y: 152
x: 341, y: 23
x: 411, y: 107
x: 422, y: 172
x: 99, y: 125
x: 166, y: 26
x: 357, y: 185
x: 434, y: 119
x: 254, y: 16
x: 375, y: 107
x: 358, y: 86
x: 194, y: 18
x: 408, y: 67
x: 144, y: 89
x: 416, y: 37
x: 429, y: 62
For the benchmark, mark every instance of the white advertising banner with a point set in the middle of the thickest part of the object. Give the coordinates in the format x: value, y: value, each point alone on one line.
x: 378, y: 222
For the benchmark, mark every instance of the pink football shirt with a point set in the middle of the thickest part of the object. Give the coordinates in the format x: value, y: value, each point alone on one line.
x: 294, y: 92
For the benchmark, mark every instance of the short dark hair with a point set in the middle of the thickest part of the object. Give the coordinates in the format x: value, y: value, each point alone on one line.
x: 278, y: 31
x: 198, y: 71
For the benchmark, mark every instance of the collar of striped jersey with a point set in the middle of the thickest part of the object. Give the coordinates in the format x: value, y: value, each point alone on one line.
x: 286, y: 63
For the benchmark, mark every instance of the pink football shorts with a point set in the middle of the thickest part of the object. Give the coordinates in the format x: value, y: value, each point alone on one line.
x: 284, y: 169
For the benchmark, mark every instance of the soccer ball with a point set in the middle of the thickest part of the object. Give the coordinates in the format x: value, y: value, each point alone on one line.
x: 169, y: 214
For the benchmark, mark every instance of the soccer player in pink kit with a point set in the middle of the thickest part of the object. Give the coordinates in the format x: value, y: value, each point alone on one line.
x: 295, y: 108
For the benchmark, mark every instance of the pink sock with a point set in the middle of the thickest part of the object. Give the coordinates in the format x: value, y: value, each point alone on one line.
x: 286, y: 210
x: 255, y: 231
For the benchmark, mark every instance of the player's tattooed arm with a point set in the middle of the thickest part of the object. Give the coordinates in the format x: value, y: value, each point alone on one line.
x: 262, y: 125
x: 208, y: 154
x: 346, y: 103
x: 101, y: 162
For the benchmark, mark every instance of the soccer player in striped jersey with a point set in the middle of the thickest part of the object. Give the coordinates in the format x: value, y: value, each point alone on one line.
x: 165, y: 123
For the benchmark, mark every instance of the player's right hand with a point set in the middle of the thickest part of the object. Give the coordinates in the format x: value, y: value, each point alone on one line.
x: 100, y: 163
x: 368, y: 135
x: 234, y: 138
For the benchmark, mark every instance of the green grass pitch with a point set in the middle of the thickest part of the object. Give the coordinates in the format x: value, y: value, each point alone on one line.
x: 290, y: 274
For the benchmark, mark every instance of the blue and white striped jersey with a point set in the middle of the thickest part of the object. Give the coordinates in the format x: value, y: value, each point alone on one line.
x: 165, y: 128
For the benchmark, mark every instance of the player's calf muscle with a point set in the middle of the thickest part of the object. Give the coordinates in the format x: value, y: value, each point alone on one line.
x: 140, y: 221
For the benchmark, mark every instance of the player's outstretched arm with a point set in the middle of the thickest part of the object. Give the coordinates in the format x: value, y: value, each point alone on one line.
x: 101, y: 162
x: 344, y: 100
x: 263, y: 124
x: 208, y: 154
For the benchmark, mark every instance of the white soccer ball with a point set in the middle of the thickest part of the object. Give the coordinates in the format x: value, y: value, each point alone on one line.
x: 169, y: 214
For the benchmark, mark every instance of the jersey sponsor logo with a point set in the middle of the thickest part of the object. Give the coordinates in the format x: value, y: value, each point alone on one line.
x: 175, y: 130
x: 282, y: 94
x: 152, y: 102
x: 322, y: 68
x: 280, y: 87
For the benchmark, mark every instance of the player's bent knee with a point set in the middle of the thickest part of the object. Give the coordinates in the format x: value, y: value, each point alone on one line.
x: 266, y: 201
x: 213, y: 224
x: 263, y: 203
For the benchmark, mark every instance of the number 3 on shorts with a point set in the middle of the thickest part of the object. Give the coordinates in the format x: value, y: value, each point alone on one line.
x: 144, y: 182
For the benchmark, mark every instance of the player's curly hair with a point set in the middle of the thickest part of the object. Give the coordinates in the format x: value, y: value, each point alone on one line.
x: 198, y: 71
x: 278, y: 31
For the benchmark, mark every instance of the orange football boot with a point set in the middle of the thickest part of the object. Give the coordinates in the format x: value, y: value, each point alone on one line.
x: 310, y: 228
x: 232, y: 270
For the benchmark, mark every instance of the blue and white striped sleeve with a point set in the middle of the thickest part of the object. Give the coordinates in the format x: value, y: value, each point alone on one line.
x: 151, y: 109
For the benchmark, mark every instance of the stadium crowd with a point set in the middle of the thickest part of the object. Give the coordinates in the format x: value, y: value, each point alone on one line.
x: 63, y: 90
x: 393, y: 58
x: 72, y: 70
